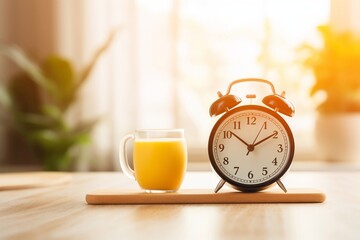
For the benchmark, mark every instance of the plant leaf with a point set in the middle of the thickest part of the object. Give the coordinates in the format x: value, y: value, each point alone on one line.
x: 25, y: 94
x: 88, y: 69
x: 85, y: 127
x: 36, y: 121
x: 19, y: 57
x: 52, y: 111
x: 85, y: 73
x: 61, y: 72
x: 5, y: 98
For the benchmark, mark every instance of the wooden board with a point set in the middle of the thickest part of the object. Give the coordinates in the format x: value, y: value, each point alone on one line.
x: 12, y: 181
x: 118, y: 196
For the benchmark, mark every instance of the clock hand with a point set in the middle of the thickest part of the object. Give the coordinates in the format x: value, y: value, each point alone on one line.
x: 240, y: 139
x: 263, y: 140
x: 259, y: 133
x: 251, y: 147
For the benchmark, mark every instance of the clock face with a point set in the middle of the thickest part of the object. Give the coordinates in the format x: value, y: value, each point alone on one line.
x: 251, y: 147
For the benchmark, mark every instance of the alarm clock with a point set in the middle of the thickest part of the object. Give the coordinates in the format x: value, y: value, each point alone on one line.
x: 251, y: 146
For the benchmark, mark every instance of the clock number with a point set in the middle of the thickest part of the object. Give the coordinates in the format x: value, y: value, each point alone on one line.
x: 264, y: 171
x: 227, y: 134
x: 226, y: 161
x: 265, y: 125
x: 222, y: 147
x: 250, y: 175
x: 274, y: 161
x: 236, y: 170
x: 237, y: 124
x: 251, y: 120
x: 280, y: 148
x: 275, y: 135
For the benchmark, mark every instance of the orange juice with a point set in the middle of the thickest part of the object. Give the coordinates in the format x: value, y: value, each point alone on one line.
x: 160, y: 164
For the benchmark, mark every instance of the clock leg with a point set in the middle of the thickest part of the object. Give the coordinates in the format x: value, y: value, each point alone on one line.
x: 219, y: 186
x: 281, y: 185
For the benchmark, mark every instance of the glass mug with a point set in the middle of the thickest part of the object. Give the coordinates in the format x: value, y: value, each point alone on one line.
x: 159, y: 157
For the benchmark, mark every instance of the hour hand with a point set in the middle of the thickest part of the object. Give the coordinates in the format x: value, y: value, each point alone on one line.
x: 264, y: 139
x: 240, y: 139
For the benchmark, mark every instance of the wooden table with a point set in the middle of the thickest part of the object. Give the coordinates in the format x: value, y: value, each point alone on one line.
x: 60, y: 212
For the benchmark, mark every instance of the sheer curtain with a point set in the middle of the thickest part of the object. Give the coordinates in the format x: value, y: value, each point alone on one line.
x: 133, y: 85
x: 112, y: 90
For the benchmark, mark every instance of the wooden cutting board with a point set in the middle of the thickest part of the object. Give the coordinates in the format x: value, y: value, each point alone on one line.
x: 191, y: 196
x: 12, y: 181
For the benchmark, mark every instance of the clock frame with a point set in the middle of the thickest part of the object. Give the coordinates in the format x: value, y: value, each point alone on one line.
x: 275, y: 104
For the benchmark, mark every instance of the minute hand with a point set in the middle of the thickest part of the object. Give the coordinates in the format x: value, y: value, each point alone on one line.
x: 263, y: 140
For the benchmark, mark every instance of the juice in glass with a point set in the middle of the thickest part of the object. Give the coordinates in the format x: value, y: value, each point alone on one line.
x: 160, y: 164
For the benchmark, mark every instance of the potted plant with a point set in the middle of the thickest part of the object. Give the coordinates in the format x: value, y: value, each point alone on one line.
x: 38, y: 100
x: 336, y: 67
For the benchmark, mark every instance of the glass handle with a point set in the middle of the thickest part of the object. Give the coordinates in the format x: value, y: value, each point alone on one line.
x: 123, y: 159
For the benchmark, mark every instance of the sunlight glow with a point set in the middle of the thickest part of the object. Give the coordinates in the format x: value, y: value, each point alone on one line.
x: 220, y: 41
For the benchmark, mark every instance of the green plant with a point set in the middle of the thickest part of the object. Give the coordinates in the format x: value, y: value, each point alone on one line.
x: 38, y: 100
x: 336, y: 69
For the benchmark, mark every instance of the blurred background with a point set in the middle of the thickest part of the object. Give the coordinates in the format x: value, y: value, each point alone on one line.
x: 77, y: 75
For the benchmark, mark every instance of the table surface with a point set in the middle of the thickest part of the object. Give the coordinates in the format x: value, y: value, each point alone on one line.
x: 60, y: 212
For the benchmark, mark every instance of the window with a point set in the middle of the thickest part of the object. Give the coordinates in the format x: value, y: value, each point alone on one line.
x: 172, y: 56
x: 189, y: 50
